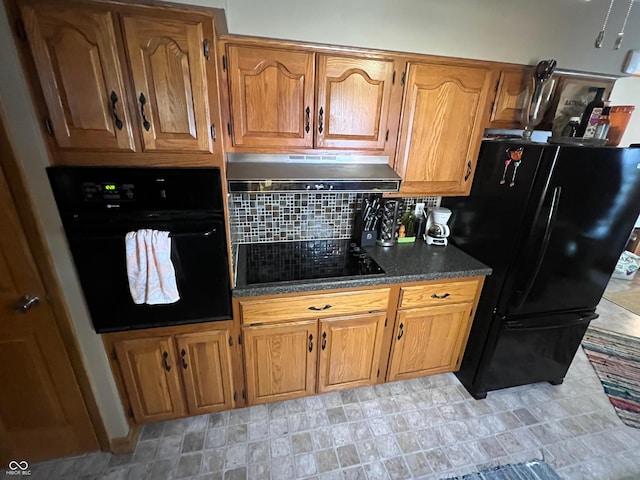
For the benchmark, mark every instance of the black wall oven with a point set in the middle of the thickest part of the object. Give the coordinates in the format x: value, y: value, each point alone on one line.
x: 100, y: 205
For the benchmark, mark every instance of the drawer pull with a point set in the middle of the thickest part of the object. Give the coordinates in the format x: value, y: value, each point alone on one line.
x: 401, y: 331
x: 310, y: 343
x: 435, y: 295
x: 319, y: 309
x: 324, y: 340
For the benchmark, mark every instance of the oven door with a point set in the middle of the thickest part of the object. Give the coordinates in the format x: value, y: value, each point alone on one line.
x: 199, y: 256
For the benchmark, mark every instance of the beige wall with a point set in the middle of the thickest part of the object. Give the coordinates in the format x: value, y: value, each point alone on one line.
x: 627, y: 92
x: 521, y: 31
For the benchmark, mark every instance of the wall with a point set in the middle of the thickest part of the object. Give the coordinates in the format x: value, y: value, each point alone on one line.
x: 24, y: 131
x: 520, y: 31
x: 627, y: 92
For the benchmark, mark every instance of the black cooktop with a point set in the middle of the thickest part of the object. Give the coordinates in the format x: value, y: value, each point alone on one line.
x: 306, y: 260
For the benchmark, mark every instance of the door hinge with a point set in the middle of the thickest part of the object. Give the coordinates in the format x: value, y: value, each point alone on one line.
x: 130, y: 412
x: 235, y: 396
x: 114, y: 355
x: 205, y: 48
x: 213, y: 131
x: 230, y: 341
x: 403, y: 78
x: 229, y: 129
x: 240, y: 339
x: 393, y: 78
x: 385, y: 322
x: 244, y: 395
x: 497, y: 85
x: 224, y: 63
x: 48, y: 126
x: 20, y: 30
x: 386, y: 137
x: 491, y: 109
x: 378, y: 373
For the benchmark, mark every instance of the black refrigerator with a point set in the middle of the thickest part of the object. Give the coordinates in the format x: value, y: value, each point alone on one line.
x: 551, y: 221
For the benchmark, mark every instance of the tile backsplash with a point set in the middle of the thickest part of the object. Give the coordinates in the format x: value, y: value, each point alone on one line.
x: 274, y: 217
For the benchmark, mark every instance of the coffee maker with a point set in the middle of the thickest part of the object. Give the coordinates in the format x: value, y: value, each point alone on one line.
x: 437, y: 229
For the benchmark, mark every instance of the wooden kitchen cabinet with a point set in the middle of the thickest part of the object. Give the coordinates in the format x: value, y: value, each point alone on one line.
x: 511, y: 96
x: 443, y: 115
x: 167, y: 58
x: 182, y: 371
x: 82, y: 75
x: 298, y: 345
x: 349, y: 351
x: 432, y: 326
x: 120, y: 79
x: 288, y: 98
x: 280, y: 361
x: 152, y: 378
x: 206, y: 371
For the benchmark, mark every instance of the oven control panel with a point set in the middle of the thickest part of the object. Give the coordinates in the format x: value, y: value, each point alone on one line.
x: 108, y: 192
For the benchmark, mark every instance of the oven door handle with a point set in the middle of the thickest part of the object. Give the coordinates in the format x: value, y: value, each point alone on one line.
x: 206, y: 233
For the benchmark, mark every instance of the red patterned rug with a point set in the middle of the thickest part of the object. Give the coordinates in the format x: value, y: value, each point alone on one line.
x: 616, y: 359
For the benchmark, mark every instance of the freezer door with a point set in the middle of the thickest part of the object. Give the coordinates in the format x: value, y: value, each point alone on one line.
x: 587, y: 207
x: 531, y: 350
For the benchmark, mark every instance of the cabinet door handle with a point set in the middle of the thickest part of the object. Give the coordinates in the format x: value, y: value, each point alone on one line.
x: 401, y: 331
x: 307, y: 119
x: 167, y: 367
x: 319, y: 309
x: 324, y: 340
x: 435, y: 295
x: 114, y: 99
x: 182, y: 357
x: 466, y: 175
x: 143, y: 102
x: 310, y: 343
x: 320, y: 120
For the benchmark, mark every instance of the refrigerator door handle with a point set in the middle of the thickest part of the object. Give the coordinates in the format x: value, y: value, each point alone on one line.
x: 555, y: 203
x: 520, y: 325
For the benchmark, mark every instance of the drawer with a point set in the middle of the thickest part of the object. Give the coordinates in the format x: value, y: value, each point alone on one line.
x: 438, y: 294
x: 313, y: 306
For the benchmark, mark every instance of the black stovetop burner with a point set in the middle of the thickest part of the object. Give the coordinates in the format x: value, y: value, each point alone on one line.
x: 306, y: 260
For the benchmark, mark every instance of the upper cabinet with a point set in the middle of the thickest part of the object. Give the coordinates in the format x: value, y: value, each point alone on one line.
x: 285, y: 98
x: 82, y: 77
x: 123, y: 79
x: 167, y: 58
x: 511, y: 96
x: 443, y: 115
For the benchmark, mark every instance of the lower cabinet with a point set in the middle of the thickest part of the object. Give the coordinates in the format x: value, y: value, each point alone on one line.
x: 170, y: 376
x: 428, y: 341
x: 432, y: 326
x: 296, y: 359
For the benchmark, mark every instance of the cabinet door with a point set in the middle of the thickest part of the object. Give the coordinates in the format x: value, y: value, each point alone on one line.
x: 206, y: 371
x: 168, y: 66
x: 280, y: 361
x: 81, y: 75
x: 151, y: 377
x: 271, y: 96
x: 349, y: 351
x: 352, y: 109
x: 429, y: 340
x: 442, y: 125
x: 511, y: 97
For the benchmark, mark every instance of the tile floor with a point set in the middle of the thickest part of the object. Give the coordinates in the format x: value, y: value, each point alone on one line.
x: 427, y: 428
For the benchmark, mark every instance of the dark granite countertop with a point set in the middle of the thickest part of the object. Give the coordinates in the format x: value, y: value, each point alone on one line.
x: 404, y: 262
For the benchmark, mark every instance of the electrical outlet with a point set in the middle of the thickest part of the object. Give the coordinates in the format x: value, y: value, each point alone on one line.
x: 419, y: 211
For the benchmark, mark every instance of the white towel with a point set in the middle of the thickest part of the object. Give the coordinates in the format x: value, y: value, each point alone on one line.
x: 152, y: 278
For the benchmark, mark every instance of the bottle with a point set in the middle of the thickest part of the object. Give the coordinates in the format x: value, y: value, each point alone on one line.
x: 571, y: 129
x: 591, y: 115
x: 603, y: 123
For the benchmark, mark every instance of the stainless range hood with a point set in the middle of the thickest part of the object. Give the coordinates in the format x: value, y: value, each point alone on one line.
x: 254, y: 173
